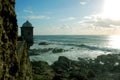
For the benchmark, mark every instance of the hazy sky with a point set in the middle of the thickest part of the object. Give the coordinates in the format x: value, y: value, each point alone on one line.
x: 70, y: 17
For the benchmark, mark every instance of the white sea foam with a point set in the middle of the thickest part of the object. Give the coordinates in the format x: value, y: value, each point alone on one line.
x: 72, y: 54
x: 74, y: 46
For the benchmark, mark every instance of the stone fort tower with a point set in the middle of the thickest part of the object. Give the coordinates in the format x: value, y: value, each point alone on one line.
x: 27, y: 33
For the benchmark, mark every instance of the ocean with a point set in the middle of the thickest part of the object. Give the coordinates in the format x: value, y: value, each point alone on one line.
x: 73, y: 46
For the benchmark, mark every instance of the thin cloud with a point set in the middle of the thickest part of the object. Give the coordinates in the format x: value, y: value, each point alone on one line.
x: 87, y: 17
x: 83, y: 3
x: 69, y: 19
x: 96, y: 21
x: 65, y: 26
x: 28, y: 11
x: 107, y: 23
x: 36, y: 17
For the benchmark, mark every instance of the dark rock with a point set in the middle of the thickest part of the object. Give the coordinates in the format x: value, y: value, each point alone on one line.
x: 42, y: 71
x: 91, y: 74
x: 69, y: 69
x: 78, y: 75
x: 20, y: 38
x: 84, y: 69
x: 39, y: 51
x: 56, y: 50
x: 45, y: 50
x: 43, y: 43
x: 63, y: 63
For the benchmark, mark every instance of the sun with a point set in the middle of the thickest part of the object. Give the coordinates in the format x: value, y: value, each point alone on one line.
x: 111, y: 9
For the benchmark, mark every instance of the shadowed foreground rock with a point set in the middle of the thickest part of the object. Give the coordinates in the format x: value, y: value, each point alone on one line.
x: 42, y: 71
x: 8, y: 41
x: 104, y: 67
x: 67, y: 69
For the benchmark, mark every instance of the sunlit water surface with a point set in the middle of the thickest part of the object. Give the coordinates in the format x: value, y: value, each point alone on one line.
x: 77, y: 46
x: 114, y: 41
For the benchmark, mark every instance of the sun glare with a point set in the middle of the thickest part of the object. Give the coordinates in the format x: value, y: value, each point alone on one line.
x: 111, y: 9
x: 114, y: 41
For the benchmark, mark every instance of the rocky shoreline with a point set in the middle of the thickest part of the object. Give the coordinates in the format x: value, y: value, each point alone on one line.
x: 53, y: 50
x: 45, y: 50
x: 104, y: 67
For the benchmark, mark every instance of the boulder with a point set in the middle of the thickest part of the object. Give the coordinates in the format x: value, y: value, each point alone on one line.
x: 42, y: 71
x: 39, y: 51
x: 58, y: 50
x: 67, y: 69
x: 43, y: 43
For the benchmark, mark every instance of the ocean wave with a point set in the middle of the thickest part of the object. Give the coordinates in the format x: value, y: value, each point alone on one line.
x: 95, y: 48
x: 73, y: 45
x: 90, y: 47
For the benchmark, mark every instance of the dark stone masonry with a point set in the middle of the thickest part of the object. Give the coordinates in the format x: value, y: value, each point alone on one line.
x: 13, y: 64
x: 27, y: 33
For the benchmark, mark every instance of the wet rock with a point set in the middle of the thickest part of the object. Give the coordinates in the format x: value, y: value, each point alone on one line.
x: 33, y: 52
x: 58, y: 50
x: 63, y: 63
x: 45, y: 50
x: 39, y: 51
x: 43, y: 43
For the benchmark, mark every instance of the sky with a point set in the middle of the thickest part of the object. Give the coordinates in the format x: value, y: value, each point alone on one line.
x: 70, y: 17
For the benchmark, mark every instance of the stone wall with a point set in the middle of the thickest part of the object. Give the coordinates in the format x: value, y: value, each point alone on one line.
x: 25, y: 69
x: 8, y: 40
x: 10, y: 65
